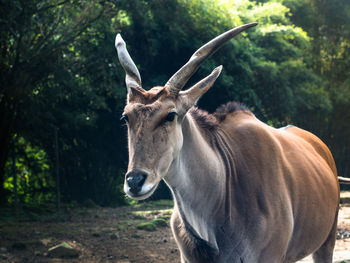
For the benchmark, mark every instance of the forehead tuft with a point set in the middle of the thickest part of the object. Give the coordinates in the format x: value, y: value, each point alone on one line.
x: 149, y: 110
x: 148, y: 97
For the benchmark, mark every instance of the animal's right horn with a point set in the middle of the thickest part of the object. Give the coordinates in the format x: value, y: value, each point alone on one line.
x: 180, y: 78
x: 132, y: 78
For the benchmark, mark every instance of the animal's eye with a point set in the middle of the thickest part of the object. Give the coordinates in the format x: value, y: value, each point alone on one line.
x: 170, y: 117
x: 124, y: 117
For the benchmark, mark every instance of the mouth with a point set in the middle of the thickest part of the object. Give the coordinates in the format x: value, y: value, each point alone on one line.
x: 146, y: 191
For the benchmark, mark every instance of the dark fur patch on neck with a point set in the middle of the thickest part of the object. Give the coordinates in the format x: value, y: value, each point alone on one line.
x: 211, y: 121
x: 204, y: 119
x: 197, y: 247
x: 200, y: 249
x: 230, y: 107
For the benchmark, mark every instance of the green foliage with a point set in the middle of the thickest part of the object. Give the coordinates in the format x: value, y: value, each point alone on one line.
x: 60, y: 70
x: 66, y: 49
x: 328, y: 24
x: 35, y: 185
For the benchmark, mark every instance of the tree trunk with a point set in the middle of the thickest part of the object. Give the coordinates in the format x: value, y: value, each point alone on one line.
x: 7, y: 117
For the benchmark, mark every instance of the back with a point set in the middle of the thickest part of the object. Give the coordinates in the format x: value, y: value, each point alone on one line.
x: 288, y: 179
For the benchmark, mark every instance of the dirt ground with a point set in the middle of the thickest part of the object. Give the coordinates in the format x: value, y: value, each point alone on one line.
x: 138, y: 234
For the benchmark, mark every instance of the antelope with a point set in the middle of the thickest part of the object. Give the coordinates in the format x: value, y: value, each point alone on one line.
x: 243, y: 191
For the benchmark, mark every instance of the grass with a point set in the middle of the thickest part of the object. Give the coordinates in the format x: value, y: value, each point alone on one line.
x: 155, y: 204
x: 32, y: 213
x: 147, y: 226
x: 49, y: 212
x: 142, y: 214
x: 152, y: 225
x: 138, y: 215
x: 160, y: 222
x: 122, y: 227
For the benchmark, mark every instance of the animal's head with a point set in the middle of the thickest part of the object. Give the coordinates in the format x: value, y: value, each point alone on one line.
x: 154, y: 117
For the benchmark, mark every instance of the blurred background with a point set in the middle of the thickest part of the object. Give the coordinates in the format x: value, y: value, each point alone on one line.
x: 62, y: 88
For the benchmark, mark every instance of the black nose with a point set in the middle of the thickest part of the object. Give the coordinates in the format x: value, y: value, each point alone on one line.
x: 135, y: 179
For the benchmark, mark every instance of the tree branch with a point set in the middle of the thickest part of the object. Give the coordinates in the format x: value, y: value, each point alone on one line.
x: 43, y: 9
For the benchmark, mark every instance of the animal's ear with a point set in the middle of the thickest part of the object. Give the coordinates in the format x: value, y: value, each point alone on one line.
x: 190, y: 96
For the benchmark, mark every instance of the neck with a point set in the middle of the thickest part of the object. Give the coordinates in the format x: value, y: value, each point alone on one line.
x: 197, y: 180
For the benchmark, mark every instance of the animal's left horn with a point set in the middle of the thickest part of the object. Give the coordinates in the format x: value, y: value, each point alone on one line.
x: 132, y: 78
x: 180, y: 78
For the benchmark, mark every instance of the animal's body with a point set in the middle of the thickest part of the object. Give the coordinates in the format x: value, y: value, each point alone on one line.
x: 261, y: 194
x: 243, y: 191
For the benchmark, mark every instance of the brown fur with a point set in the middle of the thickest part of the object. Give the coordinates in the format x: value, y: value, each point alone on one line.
x: 148, y: 97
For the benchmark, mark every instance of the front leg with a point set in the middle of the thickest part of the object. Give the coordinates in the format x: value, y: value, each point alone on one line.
x: 175, y: 224
x: 183, y: 260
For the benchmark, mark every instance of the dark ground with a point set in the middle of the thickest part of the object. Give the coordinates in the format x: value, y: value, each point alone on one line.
x: 138, y: 234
